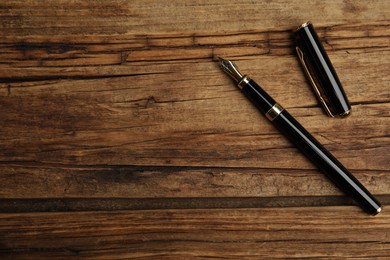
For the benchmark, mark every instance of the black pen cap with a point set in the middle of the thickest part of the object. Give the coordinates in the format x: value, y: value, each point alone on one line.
x: 320, y: 71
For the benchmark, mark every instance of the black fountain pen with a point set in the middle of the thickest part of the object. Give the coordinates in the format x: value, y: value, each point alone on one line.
x: 298, y: 135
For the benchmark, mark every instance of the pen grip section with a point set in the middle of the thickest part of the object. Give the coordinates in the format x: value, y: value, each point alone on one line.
x: 258, y: 96
x: 326, y: 162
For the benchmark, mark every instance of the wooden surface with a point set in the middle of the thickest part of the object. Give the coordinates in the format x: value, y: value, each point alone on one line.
x: 121, y: 138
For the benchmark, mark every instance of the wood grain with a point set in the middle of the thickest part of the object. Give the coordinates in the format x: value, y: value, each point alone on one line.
x: 89, y: 122
x: 166, y: 182
x: 115, y: 115
x: 312, y: 232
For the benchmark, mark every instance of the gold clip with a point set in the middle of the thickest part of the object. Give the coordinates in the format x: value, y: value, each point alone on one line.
x: 317, y: 90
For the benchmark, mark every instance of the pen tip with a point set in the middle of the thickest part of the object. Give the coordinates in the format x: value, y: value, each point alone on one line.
x: 230, y: 68
x: 223, y: 62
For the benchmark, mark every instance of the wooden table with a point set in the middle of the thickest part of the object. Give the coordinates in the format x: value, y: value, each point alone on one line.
x: 121, y: 137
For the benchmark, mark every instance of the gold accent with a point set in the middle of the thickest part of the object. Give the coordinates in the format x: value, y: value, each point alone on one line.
x: 303, y: 25
x: 243, y: 82
x: 346, y: 113
x: 274, y: 112
x: 313, y: 83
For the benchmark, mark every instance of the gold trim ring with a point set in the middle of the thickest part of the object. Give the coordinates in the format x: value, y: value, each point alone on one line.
x: 245, y: 80
x: 274, y: 111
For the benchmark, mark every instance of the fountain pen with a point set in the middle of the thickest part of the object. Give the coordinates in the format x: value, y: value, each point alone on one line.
x: 300, y: 137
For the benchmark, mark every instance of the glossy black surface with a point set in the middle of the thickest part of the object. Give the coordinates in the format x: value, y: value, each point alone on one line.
x: 322, y: 70
x: 313, y: 150
x: 258, y: 96
x: 326, y: 162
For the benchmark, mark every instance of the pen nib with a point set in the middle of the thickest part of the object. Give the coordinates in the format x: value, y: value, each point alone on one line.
x: 231, y: 69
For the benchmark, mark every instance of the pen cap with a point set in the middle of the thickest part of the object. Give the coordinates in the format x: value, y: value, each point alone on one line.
x: 320, y: 72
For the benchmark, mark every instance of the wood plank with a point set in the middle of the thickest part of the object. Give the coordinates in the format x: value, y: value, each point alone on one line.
x: 172, y: 134
x: 316, y: 232
x: 54, y: 181
x: 116, y: 50
x: 172, y: 81
x: 119, y: 121
x: 115, y: 204
x: 90, y: 56
x: 148, y: 17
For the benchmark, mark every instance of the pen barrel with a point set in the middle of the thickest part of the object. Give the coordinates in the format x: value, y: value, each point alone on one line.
x: 313, y: 150
x: 326, y: 162
x: 258, y: 96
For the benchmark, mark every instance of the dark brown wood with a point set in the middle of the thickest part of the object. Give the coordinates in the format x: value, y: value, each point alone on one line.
x: 56, y: 181
x: 116, y: 115
x: 311, y: 232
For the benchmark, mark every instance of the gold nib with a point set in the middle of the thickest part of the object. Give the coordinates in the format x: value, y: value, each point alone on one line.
x: 231, y: 69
